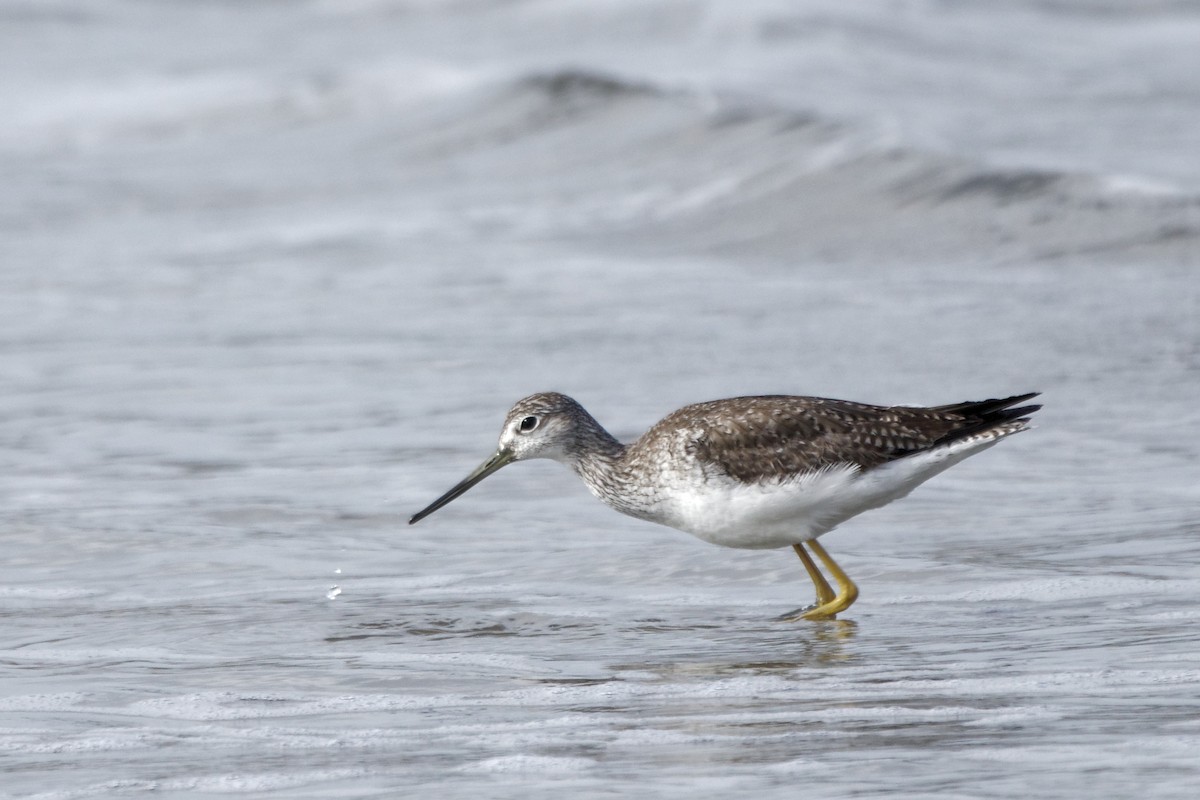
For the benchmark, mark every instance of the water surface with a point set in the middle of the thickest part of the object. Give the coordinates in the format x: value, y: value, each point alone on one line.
x: 272, y: 276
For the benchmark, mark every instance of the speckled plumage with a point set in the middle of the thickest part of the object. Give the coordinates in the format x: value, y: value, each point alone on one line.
x: 762, y: 440
x: 754, y: 472
x: 775, y: 437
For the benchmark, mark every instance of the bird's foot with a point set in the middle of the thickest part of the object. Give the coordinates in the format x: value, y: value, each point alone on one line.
x: 809, y: 612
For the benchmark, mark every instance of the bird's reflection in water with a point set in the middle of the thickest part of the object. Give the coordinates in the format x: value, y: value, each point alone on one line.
x: 815, y: 646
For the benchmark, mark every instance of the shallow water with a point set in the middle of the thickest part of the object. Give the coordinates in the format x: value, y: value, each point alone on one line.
x: 271, y: 278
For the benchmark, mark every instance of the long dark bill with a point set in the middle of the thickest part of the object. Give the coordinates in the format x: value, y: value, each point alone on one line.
x: 498, y: 460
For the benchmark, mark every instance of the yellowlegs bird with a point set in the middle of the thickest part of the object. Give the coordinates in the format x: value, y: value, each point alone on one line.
x: 756, y: 472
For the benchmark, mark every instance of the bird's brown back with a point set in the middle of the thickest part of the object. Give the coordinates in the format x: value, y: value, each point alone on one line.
x: 755, y: 439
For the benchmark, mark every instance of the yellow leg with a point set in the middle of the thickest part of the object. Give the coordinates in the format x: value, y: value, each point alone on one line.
x: 824, y: 592
x: 847, y: 591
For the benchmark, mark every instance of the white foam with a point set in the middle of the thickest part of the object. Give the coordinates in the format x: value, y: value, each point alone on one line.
x: 262, y: 782
x: 91, y: 112
x: 530, y: 764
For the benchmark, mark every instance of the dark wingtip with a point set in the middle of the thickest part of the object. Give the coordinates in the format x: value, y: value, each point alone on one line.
x: 981, y: 408
x: 1026, y: 410
x: 982, y: 415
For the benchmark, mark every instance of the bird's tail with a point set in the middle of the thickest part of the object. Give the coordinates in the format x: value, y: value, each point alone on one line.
x: 984, y: 415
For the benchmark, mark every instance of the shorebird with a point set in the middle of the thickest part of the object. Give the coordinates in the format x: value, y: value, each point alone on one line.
x: 756, y: 472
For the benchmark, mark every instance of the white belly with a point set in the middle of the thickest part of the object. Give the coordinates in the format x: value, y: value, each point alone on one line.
x: 779, y: 514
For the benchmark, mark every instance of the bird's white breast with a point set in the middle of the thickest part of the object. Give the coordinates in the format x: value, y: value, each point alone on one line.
x: 759, y: 515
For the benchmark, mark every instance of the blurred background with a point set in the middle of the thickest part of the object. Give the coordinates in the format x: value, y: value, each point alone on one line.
x: 272, y: 272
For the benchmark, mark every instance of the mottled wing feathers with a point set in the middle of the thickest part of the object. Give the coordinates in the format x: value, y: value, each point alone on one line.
x: 754, y: 439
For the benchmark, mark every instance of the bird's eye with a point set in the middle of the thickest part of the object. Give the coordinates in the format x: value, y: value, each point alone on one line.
x: 528, y: 424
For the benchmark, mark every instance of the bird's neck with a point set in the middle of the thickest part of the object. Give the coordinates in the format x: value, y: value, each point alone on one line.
x: 600, y: 461
x: 596, y: 455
